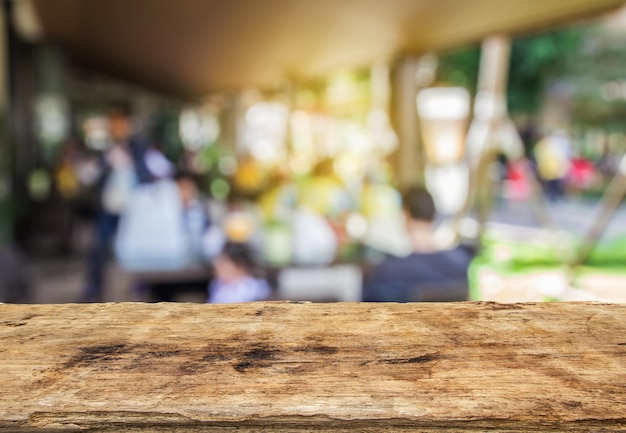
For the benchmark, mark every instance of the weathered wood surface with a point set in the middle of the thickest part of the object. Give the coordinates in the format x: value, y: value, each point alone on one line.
x: 313, y: 367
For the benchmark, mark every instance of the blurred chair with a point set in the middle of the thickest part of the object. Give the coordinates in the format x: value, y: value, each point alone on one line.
x: 328, y: 284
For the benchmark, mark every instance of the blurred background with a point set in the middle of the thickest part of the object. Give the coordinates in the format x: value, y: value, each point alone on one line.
x: 137, y: 137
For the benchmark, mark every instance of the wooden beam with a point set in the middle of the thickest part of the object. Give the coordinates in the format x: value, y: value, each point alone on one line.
x: 313, y: 367
x: 409, y: 157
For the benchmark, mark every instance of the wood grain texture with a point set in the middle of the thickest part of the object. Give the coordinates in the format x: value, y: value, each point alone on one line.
x: 313, y: 367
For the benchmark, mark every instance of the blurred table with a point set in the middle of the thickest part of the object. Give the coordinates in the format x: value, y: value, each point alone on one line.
x: 166, y: 285
x: 334, y: 282
x: 184, y: 275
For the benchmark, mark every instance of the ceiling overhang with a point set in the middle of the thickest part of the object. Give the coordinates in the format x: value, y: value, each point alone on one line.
x: 193, y: 47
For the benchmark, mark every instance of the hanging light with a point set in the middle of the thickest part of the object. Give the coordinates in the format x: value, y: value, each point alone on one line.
x: 444, y: 114
x: 265, y: 131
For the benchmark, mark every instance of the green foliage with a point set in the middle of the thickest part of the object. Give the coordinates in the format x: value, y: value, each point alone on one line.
x: 460, y: 68
x: 535, y: 62
x: 515, y: 256
x: 164, y: 130
x: 610, y: 253
x: 600, y: 61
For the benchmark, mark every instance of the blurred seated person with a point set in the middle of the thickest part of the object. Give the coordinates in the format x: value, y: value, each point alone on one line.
x: 427, y: 274
x: 234, y: 277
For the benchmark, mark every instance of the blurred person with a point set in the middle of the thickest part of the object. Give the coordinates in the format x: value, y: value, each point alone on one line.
x: 518, y: 184
x: 326, y: 196
x: 234, y: 277
x: 582, y: 174
x: 381, y: 206
x: 553, y: 155
x: 75, y: 176
x: 427, y: 273
x: 67, y: 193
x: 324, y: 193
x: 608, y: 163
x: 195, y: 216
x: 123, y: 167
x: 378, y: 197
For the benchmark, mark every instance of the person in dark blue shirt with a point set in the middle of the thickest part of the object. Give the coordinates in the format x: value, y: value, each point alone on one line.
x: 428, y: 273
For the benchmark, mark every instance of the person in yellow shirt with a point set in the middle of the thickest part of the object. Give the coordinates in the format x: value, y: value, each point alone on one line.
x: 553, y: 155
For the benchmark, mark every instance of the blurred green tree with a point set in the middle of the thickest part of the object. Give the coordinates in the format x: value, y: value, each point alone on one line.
x: 597, y: 78
x: 536, y: 61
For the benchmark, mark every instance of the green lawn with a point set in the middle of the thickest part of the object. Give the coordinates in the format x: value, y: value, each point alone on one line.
x: 515, y: 257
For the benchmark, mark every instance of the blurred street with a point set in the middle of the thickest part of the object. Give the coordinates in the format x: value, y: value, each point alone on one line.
x: 575, y: 215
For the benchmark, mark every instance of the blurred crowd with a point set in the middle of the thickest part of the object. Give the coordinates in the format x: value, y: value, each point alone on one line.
x: 151, y: 215
x: 562, y: 168
x: 149, y: 212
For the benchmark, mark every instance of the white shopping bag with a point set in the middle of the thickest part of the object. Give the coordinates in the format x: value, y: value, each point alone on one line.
x: 152, y: 234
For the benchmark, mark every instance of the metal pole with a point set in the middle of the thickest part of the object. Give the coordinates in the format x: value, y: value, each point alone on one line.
x: 608, y: 206
x: 485, y: 129
x: 491, y: 132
